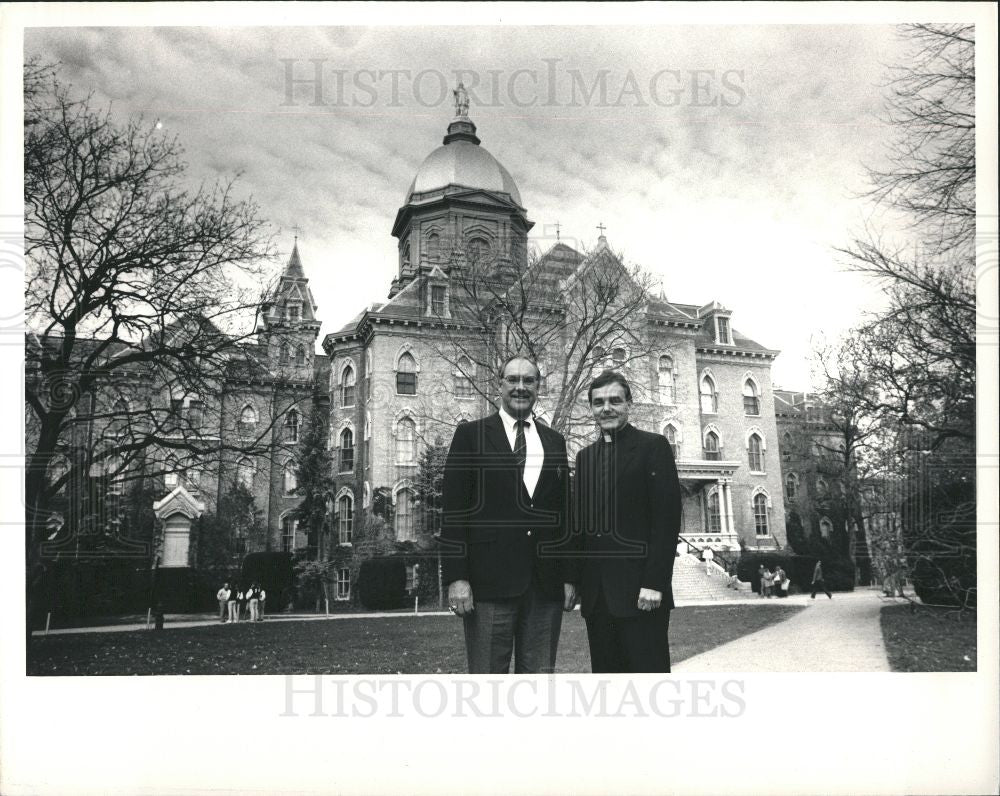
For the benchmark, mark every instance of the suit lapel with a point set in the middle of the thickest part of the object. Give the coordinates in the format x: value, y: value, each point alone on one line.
x: 548, y: 463
x: 496, y: 436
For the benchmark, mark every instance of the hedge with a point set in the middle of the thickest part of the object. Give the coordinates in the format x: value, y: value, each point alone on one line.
x: 382, y: 582
x: 838, y: 572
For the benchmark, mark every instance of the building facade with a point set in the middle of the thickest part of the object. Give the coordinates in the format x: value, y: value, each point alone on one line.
x: 399, y: 380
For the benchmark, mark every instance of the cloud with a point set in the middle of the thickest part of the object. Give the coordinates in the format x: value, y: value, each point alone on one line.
x: 735, y: 202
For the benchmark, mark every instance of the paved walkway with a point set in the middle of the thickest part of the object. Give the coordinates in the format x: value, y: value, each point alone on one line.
x: 838, y: 635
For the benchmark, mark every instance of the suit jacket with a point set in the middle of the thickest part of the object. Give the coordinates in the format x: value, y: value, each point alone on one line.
x: 492, y: 531
x: 642, y: 500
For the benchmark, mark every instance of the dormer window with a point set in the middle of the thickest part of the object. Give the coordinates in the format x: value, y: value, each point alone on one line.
x: 722, y: 331
x: 293, y: 311
x: 439, y: 304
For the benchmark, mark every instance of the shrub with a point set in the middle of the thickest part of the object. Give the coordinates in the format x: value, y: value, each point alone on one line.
x: 838, y: 571
x: 382, y: 582
x: 274, y: 572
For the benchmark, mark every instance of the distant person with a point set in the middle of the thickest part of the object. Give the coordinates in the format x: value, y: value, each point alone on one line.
x: 707, y: 556
x: 766, y: 581
x: 233, y: 603
x: 242, y: 597
x: 253, y: 596
x: 781, y: 582
x: 262, y: 597
x: 222, y: 595
x: 818, y: 582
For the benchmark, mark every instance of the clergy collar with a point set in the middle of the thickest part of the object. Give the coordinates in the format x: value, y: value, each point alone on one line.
x: 509, y: 420
x: 615, y: 436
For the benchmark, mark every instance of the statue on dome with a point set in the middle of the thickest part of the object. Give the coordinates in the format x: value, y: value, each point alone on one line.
x: 461, y: 100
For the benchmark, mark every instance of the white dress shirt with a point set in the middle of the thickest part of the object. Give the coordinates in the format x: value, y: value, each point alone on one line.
x: 533, y: 443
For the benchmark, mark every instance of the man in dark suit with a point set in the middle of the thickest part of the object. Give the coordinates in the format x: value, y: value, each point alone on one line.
x: 626, y: 521
x: 504, y: 497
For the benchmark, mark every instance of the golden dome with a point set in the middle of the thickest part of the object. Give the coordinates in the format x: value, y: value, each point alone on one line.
x: 462, y: 161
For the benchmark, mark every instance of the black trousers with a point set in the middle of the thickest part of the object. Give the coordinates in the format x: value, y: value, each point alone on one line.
x: 632, y: 644
x: 820, y: 585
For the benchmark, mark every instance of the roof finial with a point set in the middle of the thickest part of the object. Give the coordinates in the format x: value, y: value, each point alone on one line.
x: 297, y: 229
x: 557, y: 232
x: 602, y: 239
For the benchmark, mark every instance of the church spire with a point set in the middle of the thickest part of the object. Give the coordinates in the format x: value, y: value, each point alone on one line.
x: 294, y: 270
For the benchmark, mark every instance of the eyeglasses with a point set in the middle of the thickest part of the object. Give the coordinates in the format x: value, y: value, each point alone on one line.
x: 527, y: 381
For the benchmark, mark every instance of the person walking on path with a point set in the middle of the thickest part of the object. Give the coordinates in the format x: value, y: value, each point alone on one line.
x: 222, y: 595
x: 707, y: 555
x: 818, y: 582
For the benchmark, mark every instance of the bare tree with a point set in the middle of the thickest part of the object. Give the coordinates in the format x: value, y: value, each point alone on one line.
x: 930, y: 106
x: 574, y: 314
x: 908, y: 373
x: 137, y: 293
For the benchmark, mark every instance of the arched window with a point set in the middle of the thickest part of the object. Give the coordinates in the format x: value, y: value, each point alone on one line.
x: 713, y: 513
x: 751, y: 401
x: 755, y: 453
x: 760, y: 520
x: 119, y: 418
x: 368, y: 373
x: 478, y: 250
x: 406, y: 256
x: 618, y: 358
x: 666, y: 379
x: 196, y: 414
x: 283, y: 353
x: 406, y: 441
x: 822, y: 489
x: 786, y: 446
x: 248, y: 421
x: 671, y: 434
x: 712, y: 450
x: 600, y: 358
x: 291, y: 481
x: 404, y: 515
x: 433, y: 246
x: 791, y: 486
x: 345, y: 519
x: 825, y: 527
x: 464, y: 387
x: 300, y: 355
x: 709, y: 397
x: 347, y: 380
x: 292, y: 423
x: 245, y: 471
x: 346, y: 450
x: 406, y: 375
x: 289, y: 525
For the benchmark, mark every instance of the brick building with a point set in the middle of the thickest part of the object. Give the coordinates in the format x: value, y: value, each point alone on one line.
x: 395, y: 388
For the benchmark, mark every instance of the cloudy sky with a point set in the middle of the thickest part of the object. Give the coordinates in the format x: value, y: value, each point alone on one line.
x: 726, y: 160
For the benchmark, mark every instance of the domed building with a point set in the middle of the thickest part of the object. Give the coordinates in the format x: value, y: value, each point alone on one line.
x: 405, y: 372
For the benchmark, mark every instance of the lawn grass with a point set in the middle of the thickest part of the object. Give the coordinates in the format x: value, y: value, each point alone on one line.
x: 407, y: 645
x: 929, y: 639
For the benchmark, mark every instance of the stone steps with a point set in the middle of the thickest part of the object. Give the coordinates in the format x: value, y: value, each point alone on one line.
x: 691, y: 583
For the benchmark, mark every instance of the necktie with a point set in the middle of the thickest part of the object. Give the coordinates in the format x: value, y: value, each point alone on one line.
x: 520, y: 447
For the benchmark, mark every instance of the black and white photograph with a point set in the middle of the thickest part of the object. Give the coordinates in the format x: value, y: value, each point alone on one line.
x: 499, y: 362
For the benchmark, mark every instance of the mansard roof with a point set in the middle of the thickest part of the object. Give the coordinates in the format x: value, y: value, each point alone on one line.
x: 548, y: 277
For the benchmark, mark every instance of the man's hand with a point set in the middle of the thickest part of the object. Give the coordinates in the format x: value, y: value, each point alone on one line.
x: 649, y: 599
x: 460, y: 598
x: 569, y: 598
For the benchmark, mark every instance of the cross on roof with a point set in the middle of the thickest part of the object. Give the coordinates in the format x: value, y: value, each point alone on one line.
x: 601, y: 227
x: 557, y: 230
x: 297, y: 229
